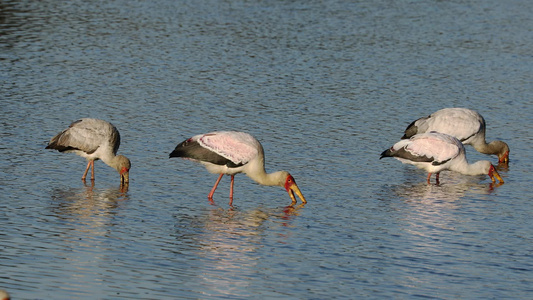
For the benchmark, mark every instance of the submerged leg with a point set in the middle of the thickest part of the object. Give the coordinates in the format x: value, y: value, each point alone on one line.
x: 210, y: 196
x: 86, y: 170
x: 231, y: 190
x: 437, y: 176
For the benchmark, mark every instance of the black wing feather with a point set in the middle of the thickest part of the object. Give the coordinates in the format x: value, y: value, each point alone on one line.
x: 412, y: 129
x: 403, y: 153
x: 193, y: 150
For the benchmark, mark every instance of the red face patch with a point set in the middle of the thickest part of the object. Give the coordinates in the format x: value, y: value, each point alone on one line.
x: 289, y: 182
x: 123, y: 170
x: 491, y: 170
x: 504, y: 157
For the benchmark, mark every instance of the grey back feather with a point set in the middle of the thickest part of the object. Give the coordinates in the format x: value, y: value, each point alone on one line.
x: 86, y: 135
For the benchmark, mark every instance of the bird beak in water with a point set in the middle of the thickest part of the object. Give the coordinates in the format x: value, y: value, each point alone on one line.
x: 505, y: 158
x: 291, y: 187
x: 493, y: 173
x: 124, y: 176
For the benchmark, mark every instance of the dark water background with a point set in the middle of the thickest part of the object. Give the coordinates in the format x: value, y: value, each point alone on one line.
x: 326, y: 86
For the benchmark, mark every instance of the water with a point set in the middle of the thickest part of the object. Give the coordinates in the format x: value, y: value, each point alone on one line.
x: 325, y: 86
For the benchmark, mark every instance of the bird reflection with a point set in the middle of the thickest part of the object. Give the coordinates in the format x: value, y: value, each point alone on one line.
x: 442, y: 194
x: 227, y: 241
x: 89, y: 208
x: 429, y: 211
x: 85, y: 216
x: 503, y: 167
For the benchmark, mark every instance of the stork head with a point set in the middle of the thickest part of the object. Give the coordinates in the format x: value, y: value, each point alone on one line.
x: 291, y: 187
x: 503, y: 155
x: 494, y: 174
x: 123, y: 166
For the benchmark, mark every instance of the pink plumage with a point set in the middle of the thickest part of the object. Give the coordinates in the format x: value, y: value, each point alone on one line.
x: 437, y: 146
x: 239, y: 147
x: 435, y: 152
x: 232, y: 152
x: 466, y: 125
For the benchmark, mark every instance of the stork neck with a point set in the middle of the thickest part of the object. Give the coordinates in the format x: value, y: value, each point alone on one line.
x: 110, y: 159
x: 494, y: 147
x: 265, y: 178
x: 477, y: 168
x: 259, y: 175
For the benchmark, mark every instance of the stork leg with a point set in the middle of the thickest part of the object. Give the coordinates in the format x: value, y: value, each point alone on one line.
x: 231, y: 190
x: 92, y: 169
x: 429, y: 178
x: 86, y: 170
x: 437, y: 177
x: 210, y: 196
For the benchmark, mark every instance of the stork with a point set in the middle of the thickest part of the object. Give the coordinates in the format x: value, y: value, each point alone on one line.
x: 434, y: 152
x: 93, y: 139
x: 465, y: 124
x: 232, y: 152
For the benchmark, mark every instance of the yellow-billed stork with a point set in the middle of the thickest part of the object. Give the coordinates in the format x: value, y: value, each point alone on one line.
x: 434, y: 152
x: 465, y: 124
x: 93, y: 139
x: 232, y: 152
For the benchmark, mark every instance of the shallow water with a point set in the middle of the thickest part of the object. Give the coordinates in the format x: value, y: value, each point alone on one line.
x: 326, y: 87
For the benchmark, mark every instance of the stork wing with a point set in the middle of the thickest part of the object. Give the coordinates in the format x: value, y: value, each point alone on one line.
x: 85, y: 136
x: 440, y: 148
x: 417, y: 126
x: 460, y: 123
x: 238, y: 147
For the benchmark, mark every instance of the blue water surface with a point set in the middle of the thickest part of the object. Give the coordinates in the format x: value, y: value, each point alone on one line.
x: 326, y: 86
